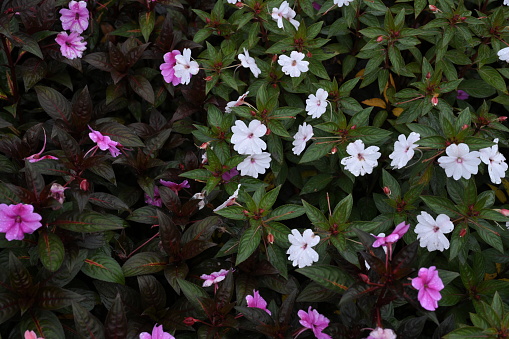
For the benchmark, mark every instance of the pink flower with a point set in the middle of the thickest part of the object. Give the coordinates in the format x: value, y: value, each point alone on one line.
x: 314, y: 321
x: 214, y: 277
x: 397, y: 234
x: 71, y: 46
x: 75, y: 19
x: 462, y: 95
x: 57, y: 192
x: 157, y: 333
x: 37, y: 156
x: 104, y: 143
x: 174, y: 186
x: 429, y: 285
x: 18, y: 220
x: 382, y: 333
x: 257, y: 301
x: 156, y: 200
x: 31, y: 335
x: 227, y: 176
x: 167, y: 70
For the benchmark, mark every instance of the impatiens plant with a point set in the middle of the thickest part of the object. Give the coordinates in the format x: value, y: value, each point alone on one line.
x: 235, y: 169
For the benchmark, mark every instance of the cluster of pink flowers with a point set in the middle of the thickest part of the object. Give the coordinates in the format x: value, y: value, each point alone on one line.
x: 74, y: 19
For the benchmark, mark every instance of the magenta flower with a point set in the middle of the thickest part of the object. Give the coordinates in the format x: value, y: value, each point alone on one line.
x: 257, y: 301
x: 157, y: 333
x: 103, y: 143
x: 71, y: 46
x: 397, y: 234
x: 31, y: 335
x: 37, y: 156
x: 18, y: 220
x: 227, y: 176
x: 174, y: 186
x: 462, y: 95
x: 429, y: 285
x: 167, y: 70
x: 75, y: 19
x: 316, y: 5
x: 214, y: 277
x: 314, y: 321
x: 57, y: 192
x: 156, y: 200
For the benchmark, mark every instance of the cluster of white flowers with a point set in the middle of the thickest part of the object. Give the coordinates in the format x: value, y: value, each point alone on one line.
x: 284, y: 12
x: 246, y: 140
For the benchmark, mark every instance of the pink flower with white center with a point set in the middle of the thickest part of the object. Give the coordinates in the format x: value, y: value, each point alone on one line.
x: 157, y: 333
x: 429, y: 285
x: 361, y: 161
x: 284, y: 12
x: 314, y: 321
x: 75, y: 19
x: 304, y: 134
x: 397, y: 234
x: 104, y: 143
x: 316, y: 105
x: 382, y: 333
x: 18, y: 220
x: 254, y: 164
x: 57, y: 192
x: 174, y: 186
x: 404, y: 149
x: 257, y: 301
x: 293, y: 65
x: 460, y: 162
x: 301, y: 252
x: 71, y: 46
x: 240, y: 101
x: 156, y: 200
x: 342, y: 3
x: 246, y: 140
x: 37, y: 156
x: 214, y: 277
x: 249, y: 62
x: 31, y: 335
x: 431, y: 232
x: 167, y: 70
x: 495, y: 161
x: 230, y: 201
x: 184, y: 67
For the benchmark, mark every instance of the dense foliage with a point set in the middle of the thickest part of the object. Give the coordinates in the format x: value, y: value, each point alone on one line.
x: 138, y: 191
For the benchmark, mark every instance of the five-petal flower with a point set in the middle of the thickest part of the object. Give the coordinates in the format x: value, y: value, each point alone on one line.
x: 294, y: 64
x: 429, y: 285
x: 301, y: 252
x: 460, y: 162
x: 431, y: 232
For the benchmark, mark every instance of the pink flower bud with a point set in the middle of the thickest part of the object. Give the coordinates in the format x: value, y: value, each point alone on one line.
x: 84, y: 185
x: 353, y: 127
x: 503, y: 118
x: 503, y: 211
x: 434, y: 101
x: 387, y: 191
x: 428, y: 75
x: 334, y: 150
x: 380, y: 38
x: 463, y: 232
x: 270, y: 238
x: 464, y: 127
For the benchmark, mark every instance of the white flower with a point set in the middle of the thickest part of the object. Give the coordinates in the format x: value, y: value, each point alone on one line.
x: 249, y: 62
x: 503, y: 54
x: 240, y: 101
x: 460, y: 162
x: 284, y: 11
x: 342, y: 3
x: 184, y: 67
x: 233, y: 2
x: 293, y: 65
x: 404, y: 149
x: 361, y: 161
x: 246, y: 140
x: 506, y: 2
x: 199, y: 196
x: 495, y: 161
x: 304, y: 133
x: 254, y: 164
x: 316, y: 105
x: 230, y: 201
x: 382, y: 333
x: 300, y: 251
x: 431, y: 232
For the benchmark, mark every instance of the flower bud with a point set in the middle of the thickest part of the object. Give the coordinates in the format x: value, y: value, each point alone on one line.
x: 268, y: 131
x: 189, y: 321
x: 239, y: 4
x: 434, y: 9
x: 209, y: 78
x: 274, y: 58
x: 353, y: 127
x: 503, y: 118
x: 207, y: 20
x: 334, y: 150
x: 463, y: 232
x: 270, y: 238
x: 464, y: 127
x: 204, y: 145
x: 84, y: 185
x: 364, y: 277
x: 387, y: 191
x: 309, y: 54
x: 428, y: 75
x: 380, y: 38
x: 434, y: 101
x: 503, y: 211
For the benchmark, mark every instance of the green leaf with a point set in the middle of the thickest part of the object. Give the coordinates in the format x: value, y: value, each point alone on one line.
x: 316, y: 183
x: 88, y: 222
x: 441, y: 205
x: 54, y: 103
x: 54, y: 298
x: 342, y: 210
x: 248, y: 243
x: 51, y: 251
x: 44, y: 323
x: 288, y: 211
x: 488, y: 234
x: 122, y: 134
x: 103, y: 267
x: 192, y: 292
x: 466, y: 332
x: 278, y: 258
x: 316, y: 151
x: 316, y: 216
x: 280, y: 232
x: 493, y: 78
x: 143, y: 263
x: 87, y: 325
x: 269, y: 198
x: 331, y: 277
x: 142, y: 87
x: 147, y: 22
x: 232, y: 212
x: 174, y: 272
